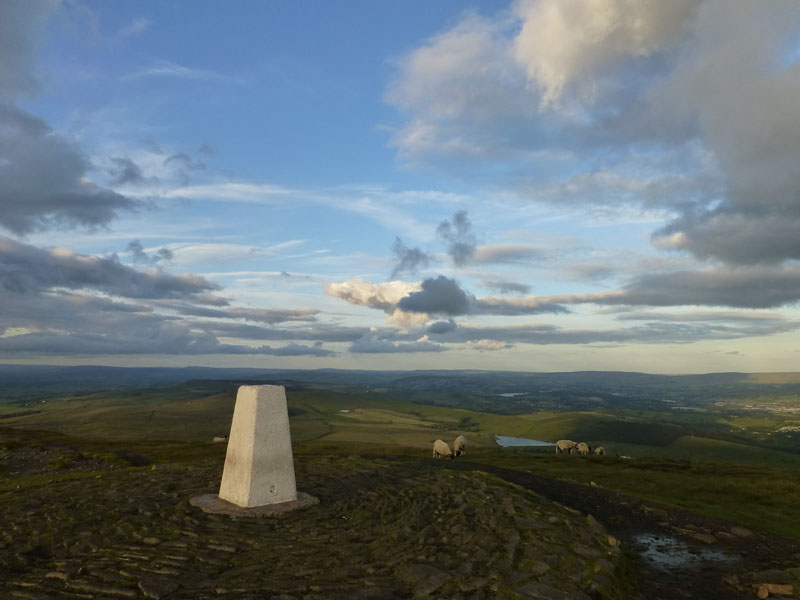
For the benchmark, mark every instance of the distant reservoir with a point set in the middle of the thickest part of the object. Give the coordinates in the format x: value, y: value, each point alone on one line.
x: 505, y: 441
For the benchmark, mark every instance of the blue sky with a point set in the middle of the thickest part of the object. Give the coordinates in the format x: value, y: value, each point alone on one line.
x: 533, y: 185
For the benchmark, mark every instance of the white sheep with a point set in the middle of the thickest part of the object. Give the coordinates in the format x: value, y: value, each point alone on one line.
x: 600, y: 451
x: 584, y: 449
x: 441, y: 449
x: 565, y: 446
x: 460, y: 446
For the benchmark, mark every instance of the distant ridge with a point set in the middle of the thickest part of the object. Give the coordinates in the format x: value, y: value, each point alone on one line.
x: 37, y: 380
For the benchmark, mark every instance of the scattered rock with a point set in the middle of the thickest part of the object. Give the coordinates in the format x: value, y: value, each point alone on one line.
x: 706, y: 538
x: 764, y: 590
x: 773, y: 576
x: 741, y: 531
x: 540, y: 591
x: 157, y: 588
x: 595, y: 524
x: 425, y: 579
x: 528, y: 523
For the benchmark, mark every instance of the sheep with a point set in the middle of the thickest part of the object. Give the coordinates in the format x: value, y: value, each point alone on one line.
x: 460, y: 446
x: 600, y: 451
x: 441, y: 450
x: 584, y: 449
x: 563, y: 446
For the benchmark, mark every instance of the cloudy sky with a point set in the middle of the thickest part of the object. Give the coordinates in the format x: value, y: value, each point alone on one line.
x: 543, y: 185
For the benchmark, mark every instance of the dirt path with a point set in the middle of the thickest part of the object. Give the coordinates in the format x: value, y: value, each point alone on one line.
x: 714, y: 549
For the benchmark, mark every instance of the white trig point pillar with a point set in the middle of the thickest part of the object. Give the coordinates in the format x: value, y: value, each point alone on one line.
x: 258, y: 477
x: 259, y: 467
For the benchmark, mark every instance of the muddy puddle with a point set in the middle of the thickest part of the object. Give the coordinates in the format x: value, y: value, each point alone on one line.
x: 666, y: 553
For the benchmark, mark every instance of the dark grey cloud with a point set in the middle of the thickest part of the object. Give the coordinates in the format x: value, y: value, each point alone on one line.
x: 372, y: 344
x: 512, y: 307
x: 459, y: 235
x: 701, y: 316
x: 183, y: 166
x: 83, y: 324
x: 440, y: 327
x: 744, y: 287
x: 163, y: 255
x: 318, y: 332
x: 184, y: 161
x: 43, y: 182
x: 409, y: 260
x: 444, y: 296
x: 649, y: 333
x: 21, y: 23
x: 138, y: 255
x: 74, y: 312
x: 260, y: 315
x: 507, y: 287
x: 168, y: 339
x: 125, y: 171
x: 735, y: 287
x: 43, y: 175
x: 738, y: 234
x: 438, y: 296
x: 26, y: 269
x: 591, y: 271
x: 508, y: 254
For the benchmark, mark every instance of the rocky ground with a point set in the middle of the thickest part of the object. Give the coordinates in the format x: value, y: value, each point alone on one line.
x: 79, y: 524
x: 677, y: 554
x: 382, y: 529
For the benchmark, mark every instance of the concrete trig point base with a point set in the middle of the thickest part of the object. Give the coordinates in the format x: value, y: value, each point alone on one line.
x: 258, y: 479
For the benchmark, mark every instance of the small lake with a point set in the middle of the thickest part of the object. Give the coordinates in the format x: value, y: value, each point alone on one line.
x: 512, y: 394
x: 505, y: 441
x: 666, y: 552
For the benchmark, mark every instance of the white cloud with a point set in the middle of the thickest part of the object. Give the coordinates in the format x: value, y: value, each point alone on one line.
x: 566, y: 43
x: 383, y: 296
x: 165, y: 68
x: 490, y: 345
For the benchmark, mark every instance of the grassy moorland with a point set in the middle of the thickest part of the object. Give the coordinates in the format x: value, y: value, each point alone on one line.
x: 671, y: 461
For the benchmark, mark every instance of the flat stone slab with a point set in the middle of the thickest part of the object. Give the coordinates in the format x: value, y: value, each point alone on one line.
x: 212, y: 503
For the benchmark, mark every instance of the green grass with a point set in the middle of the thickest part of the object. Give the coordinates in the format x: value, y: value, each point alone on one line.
x: 741, y: 482
x: 753, y: 496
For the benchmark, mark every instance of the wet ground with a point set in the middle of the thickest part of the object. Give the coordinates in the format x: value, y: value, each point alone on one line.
x: 386, y: 527
x: 674, y: 554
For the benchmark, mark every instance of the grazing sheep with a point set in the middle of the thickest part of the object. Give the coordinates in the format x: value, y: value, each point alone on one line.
x: 441, y: 450
x: 584, y: 449
x: 567, y: 446
x: 460, y: 446
x: 219, y: 439
x: 600, y: 451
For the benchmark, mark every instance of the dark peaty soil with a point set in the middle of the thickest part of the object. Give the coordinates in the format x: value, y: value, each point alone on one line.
x: 385, y: 528
x: 382, y: 529
x: 724, y: 561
